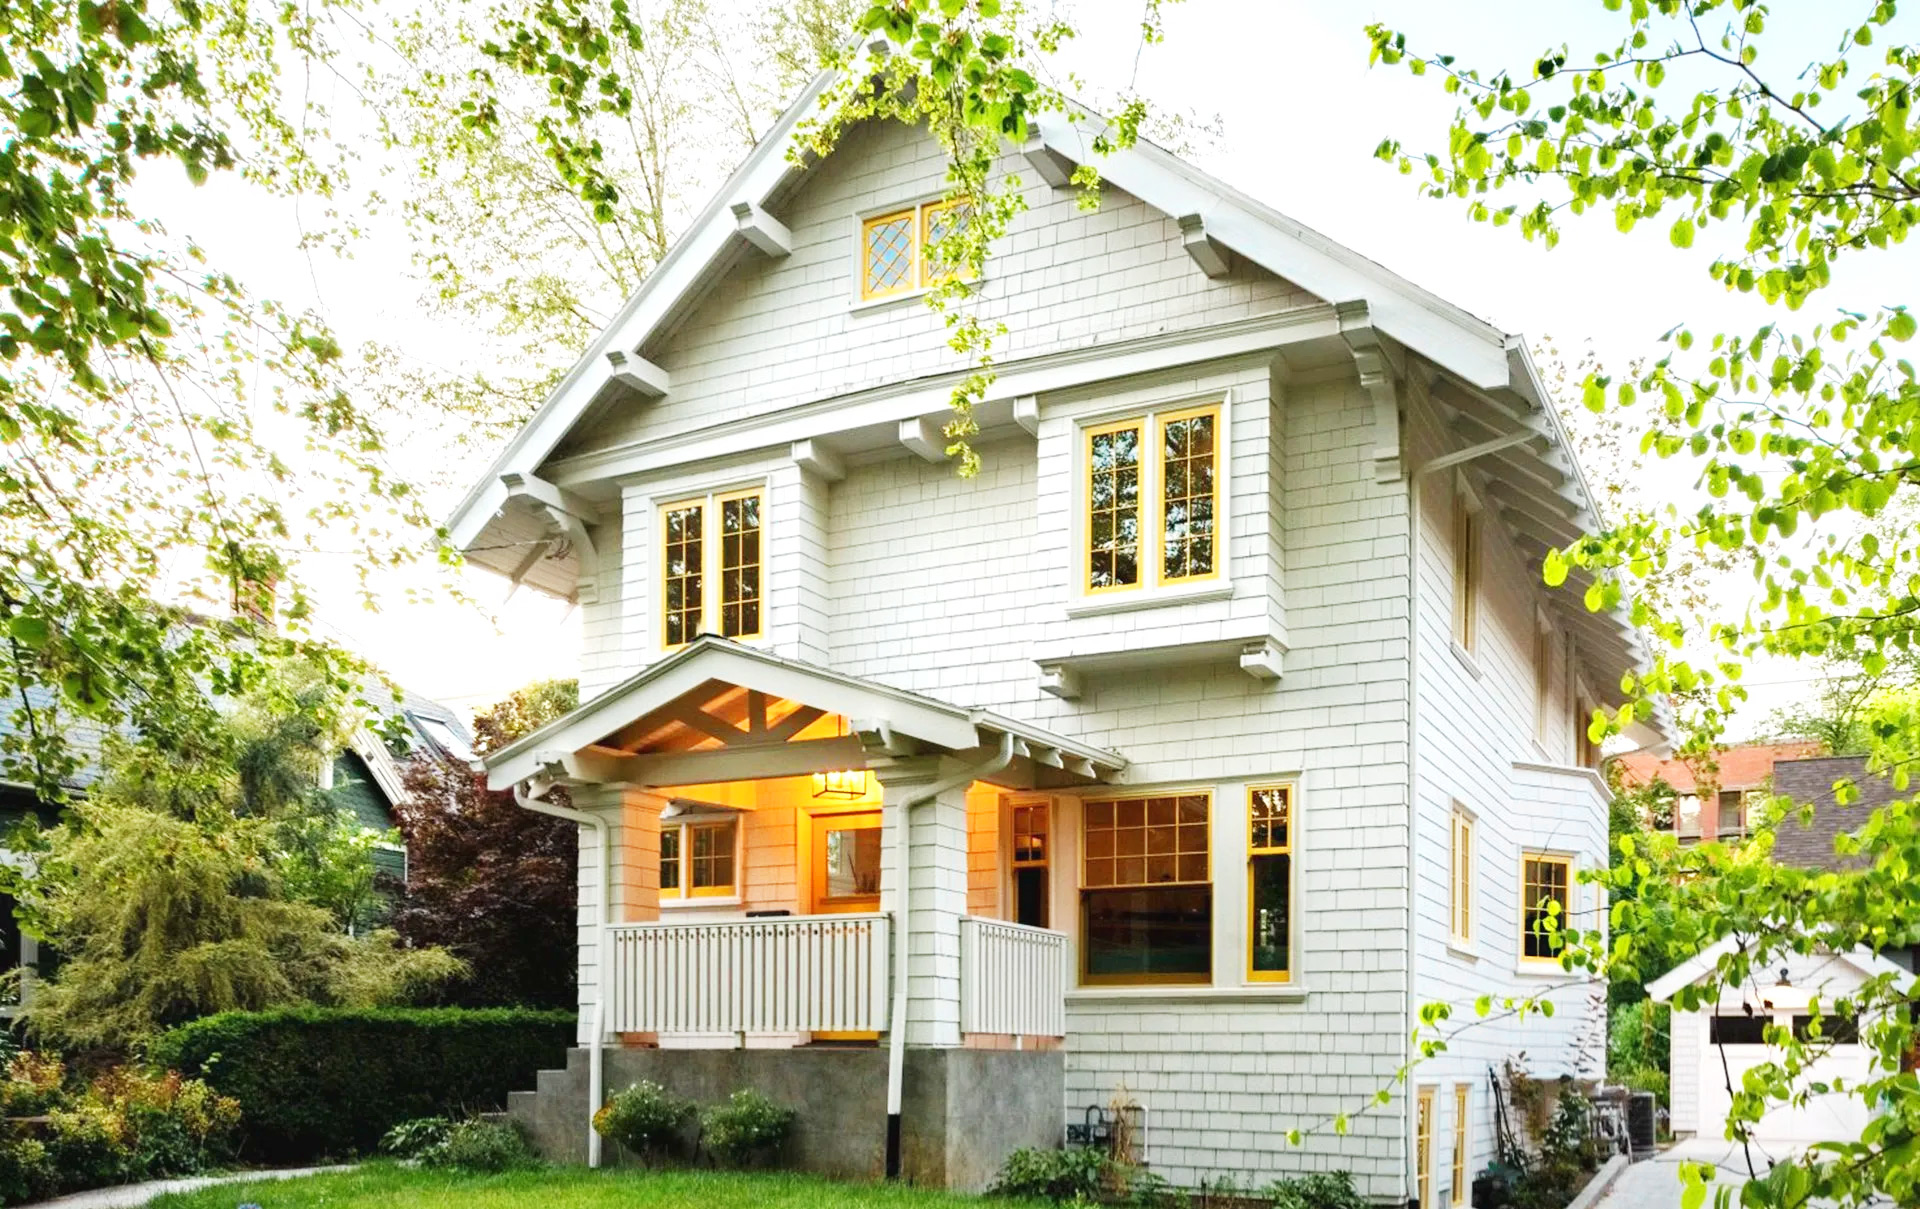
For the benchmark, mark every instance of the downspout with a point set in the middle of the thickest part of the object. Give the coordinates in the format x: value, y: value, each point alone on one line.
x: 596, y: 1052
x: 897, y: 1032
x: 1446, y: 461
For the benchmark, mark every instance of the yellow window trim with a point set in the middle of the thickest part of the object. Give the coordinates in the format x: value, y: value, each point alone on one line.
x: 1566, y: 908
x: 1461, y: 1187
x: 666, y: 511
x: 1158, y: 452
x: 1460, y: 880
x: 1287, y: 791
x: 911, y: 280
x: 1102, y: 980
x: 720, y: 501
x: 684, y: 858
x: 927, y: 276
x: 1143, y: 797
x: 712, y: 601
x: 1423, y: 1149
x: 1466, y: 571
x: 1141, y: 552
x: 1151, y: 468
x: 1014, y: 808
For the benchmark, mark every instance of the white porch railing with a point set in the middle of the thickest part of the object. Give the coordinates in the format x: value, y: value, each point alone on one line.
x: 808, y: 973
x: 1013, y: 979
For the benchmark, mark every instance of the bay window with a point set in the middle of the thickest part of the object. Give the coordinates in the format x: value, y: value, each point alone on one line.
x: 1152, y: 506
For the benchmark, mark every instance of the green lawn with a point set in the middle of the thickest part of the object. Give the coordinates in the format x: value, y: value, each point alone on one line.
x: 384, y: 1186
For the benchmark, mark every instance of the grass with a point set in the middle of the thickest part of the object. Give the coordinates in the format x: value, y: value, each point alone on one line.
x: 387, y: 1186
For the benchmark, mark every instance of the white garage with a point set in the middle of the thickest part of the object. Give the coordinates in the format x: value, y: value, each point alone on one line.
x: 1712, y: 1051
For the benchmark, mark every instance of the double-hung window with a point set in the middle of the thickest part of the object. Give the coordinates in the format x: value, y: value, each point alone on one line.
x: 1270, y: 883
x: 1146, y: 892
x: 709, y: 540
x: 1423, y: 1149
x: 1152, y: 500
x: 901, y: 251
x: 1462, y: 1189
x: 1461, y: 891
x: 697, y: 859
x: 1546, y: 903
x: 1030, y: 831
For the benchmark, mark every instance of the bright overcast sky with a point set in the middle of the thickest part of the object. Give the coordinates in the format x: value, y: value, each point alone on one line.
x: 1300, y: 115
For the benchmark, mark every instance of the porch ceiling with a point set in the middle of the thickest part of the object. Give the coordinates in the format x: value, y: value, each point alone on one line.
x: 720, y: 711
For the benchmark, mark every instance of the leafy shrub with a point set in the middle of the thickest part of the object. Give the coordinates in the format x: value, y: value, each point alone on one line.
x: 748, y: 1129
x: 646, y: 1118
x: 476, y: 1145
x: 411, y: 1139
x: 1316, y: 1190
x: 1078, y: 1174
x: 314, y: 1082
x: 124, y: 1125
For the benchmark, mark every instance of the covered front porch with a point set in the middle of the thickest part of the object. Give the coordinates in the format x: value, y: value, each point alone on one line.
x: 793, y: 858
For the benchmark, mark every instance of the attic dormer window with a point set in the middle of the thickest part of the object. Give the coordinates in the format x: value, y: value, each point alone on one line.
x: 899, y: 251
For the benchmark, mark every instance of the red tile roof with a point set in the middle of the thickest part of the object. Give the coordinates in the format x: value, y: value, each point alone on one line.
x: 1745, y: 767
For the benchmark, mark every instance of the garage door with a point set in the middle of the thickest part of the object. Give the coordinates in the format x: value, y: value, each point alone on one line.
x: 1822, y: 1118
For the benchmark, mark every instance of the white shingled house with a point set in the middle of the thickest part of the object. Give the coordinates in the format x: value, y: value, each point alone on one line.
x: 1178, y: 757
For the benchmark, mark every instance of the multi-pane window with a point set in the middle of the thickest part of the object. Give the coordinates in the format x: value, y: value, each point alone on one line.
x: 1466, y: 572
x: 1461, y: 1188
x: 1461, y: 896
x: 1030, y: 832
x: 1146, y: 890
x: 1153, y: 500
x: 900, y: 251
x: 1546, y: 900
x: 711, y: 540
x: 697, y: 859
x: 1270, y: 883
x: 1423, y: 1149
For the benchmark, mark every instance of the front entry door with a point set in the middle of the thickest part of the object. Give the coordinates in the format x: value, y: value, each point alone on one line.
x: 846, y: 862
x: 846, y: 875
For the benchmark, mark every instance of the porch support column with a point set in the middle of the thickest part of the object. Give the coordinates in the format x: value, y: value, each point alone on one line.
x: 633, y: 823
x: 937, y: 892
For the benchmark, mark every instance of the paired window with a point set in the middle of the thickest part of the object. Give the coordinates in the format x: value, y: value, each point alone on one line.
x: 1461, y: 891
x: 1030, y: 832
x: 900, y: 252
x: 1270, y: 883
x: 697, y: 859
x: 1152, y: 500
x: 1461, y: 1189
x: 1423, y: 1149
x: 712, y: 539
x: 1466, y: 571
x: 1146, y: 894
x: 1546, y: 903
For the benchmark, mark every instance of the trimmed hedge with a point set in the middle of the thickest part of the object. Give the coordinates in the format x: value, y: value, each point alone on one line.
x: 325, y: 1082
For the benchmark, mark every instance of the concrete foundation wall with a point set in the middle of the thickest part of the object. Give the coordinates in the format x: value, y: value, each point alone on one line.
x: 963, y: 1110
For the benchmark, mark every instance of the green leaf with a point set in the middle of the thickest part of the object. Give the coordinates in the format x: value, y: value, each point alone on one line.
x: 1681, y: 235
x: 1554, y: 571
x: 28, y: 631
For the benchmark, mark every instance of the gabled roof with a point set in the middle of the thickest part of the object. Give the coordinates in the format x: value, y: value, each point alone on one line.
x: 1693, y: 969
x: 1486, y: 385
x: 865, y: 704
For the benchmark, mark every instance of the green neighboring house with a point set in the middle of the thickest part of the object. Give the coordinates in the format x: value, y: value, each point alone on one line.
x: 363, y: 781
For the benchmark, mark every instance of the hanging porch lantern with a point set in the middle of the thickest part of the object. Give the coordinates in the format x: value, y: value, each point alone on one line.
x: 846, y: 785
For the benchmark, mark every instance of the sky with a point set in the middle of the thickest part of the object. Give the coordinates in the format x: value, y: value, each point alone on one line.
x: 1299, y: 114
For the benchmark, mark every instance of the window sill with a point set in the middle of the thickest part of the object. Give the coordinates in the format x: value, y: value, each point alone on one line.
x: 1150, y: 598
x: 1277, y: 992
x: 694, y: 904
x: 1466, y: 658
x: 1462, y: 949
x: 1549, y: 970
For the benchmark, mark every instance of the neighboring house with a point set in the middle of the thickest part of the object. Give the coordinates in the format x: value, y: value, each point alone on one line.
x: 1718, y: 804
x: 1712, y: 1049
x: 1199, y: 776
x: 364, y: 780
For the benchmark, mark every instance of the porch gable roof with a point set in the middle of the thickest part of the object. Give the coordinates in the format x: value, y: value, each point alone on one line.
x: 867, y: 705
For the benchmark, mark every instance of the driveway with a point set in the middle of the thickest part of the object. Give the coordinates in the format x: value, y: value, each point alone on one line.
x: 1655, y: 1183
